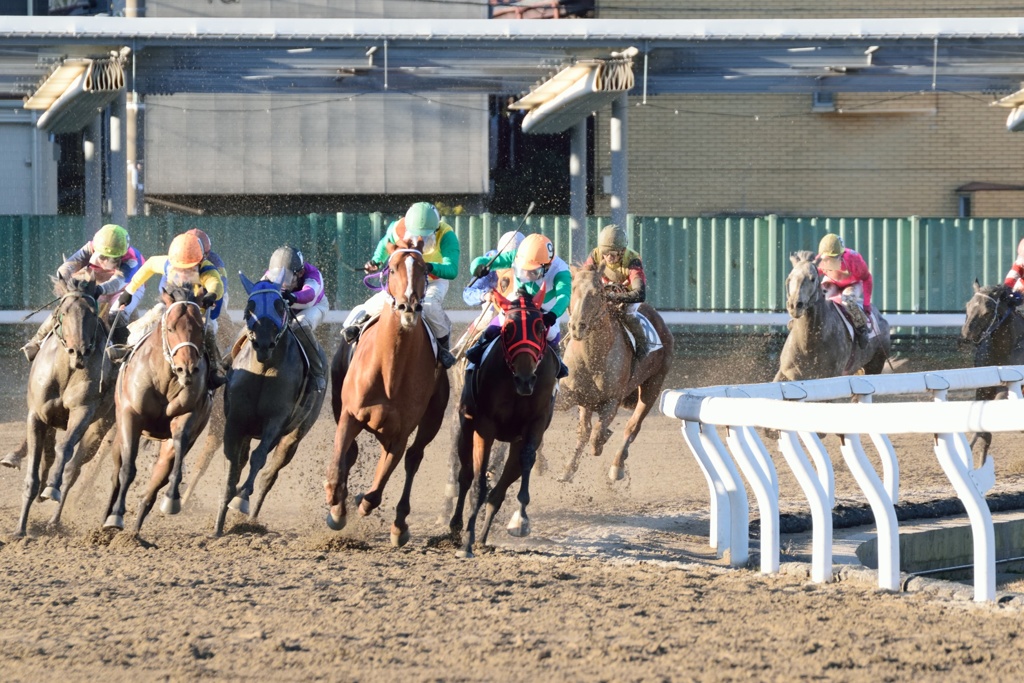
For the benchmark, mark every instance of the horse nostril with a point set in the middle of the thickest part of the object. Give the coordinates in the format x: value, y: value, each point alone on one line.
x: 71, y: 352
x: 419, y: 307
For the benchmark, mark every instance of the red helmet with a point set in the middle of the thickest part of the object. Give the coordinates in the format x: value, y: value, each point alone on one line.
x: 204, y: 239
x: 1020, y: 250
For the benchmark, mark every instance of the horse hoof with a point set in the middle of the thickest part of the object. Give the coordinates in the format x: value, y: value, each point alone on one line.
x: 336, y: 522
x: 616, y: 473
x: 51, y: 493
x: 518, y: 526
x: 451, y: 491
x: 114, y: 522
x: 400, y: 538
x: 463, y: 554
x: 365, y: 508
x: 12, y: 460
x: 240, y: 504
x: 566, y: 477
x: 170, y: 506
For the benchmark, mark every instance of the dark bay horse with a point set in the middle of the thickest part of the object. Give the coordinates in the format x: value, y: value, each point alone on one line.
x: 509, y: 397
x: 603, y: 373
x: 161, y: 393
x: 389, y: 384
x: 68, y: 388
x: 997, y: 331
x: 819, y: 343
x: 268, y: 397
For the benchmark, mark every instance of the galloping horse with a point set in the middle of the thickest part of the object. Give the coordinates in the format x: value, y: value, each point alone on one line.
x: 389, y: 385
x: 998, y: 333
x: 509, y: 397
x: 268, y: 397
x: 65, y: 392
x: 603, y: 373
x: 162, y: 394
x: 819, y: 343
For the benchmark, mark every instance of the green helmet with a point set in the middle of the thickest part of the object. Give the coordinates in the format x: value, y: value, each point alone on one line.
x: 831, y: 245
x: 421, y: 220
x: 110, y: 241
x: 612, y: 237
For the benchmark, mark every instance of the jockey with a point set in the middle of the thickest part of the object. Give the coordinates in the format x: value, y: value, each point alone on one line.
x: 302, y: 287
x: 112, y: 262
x: 183, y: 264
x: 1015, y: 278
x: 501, y: 280
x: 441, y: 253
x: 622, y: 272
x: 846, y: 271
x: 222, y: 270
x: 534, y: 265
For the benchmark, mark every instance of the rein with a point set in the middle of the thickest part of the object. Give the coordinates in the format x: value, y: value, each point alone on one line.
x: 384, y: 274
x: 523, y: 343
x: 58, y: 328
x: 996, y: 321
x: 169, y: 351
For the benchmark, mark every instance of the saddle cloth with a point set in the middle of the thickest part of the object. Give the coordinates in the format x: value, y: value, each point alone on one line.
x: 430, y: 333
x: 653, y: 340
x: 872, y: 321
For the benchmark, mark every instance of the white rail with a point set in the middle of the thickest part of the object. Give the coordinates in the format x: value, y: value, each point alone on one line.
x: 792, y: 408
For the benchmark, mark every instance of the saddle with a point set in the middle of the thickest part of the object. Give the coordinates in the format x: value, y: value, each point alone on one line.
x: 368, y: 322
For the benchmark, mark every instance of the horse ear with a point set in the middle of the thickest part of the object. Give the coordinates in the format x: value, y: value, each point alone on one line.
x: 538, y: 298
x: 794, y: 258
x: 977, y: 285
x: 500, y: 299
x: 246, y: 282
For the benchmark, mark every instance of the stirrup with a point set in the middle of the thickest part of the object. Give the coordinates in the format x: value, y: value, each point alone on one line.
x: 445, y: 357
x: 861, y: 337
x: 351, y: 333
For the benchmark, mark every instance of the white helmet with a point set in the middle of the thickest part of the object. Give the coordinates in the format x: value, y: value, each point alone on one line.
x: 510, y: 241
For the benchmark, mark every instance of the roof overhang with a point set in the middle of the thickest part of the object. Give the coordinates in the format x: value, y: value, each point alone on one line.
x: 75, y: 92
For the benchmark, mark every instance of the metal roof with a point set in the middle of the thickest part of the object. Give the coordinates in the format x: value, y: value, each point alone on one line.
x: 330, y: 56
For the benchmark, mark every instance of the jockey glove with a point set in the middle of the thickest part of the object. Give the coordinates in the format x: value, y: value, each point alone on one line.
x: 430, y: 268
x: 481, y: 271
x: 124, y: 299
x: 371, y: 266
x: 550, y: 319
x: 209, y: 300
x: 1016, y: 298
x: 289, y: 297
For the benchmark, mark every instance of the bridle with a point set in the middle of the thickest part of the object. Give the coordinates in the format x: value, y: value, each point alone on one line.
x: 520, y: 341
x: 281, y: 325
x: 170, y: 351
x: 387, y: 269
x: 58, y: 328
x: 996, y: 321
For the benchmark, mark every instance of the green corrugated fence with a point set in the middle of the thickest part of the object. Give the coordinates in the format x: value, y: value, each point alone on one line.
x: 728, y: 263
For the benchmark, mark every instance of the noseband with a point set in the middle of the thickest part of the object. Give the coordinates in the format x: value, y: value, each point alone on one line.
x: 384, y: 277
x: 520, y: 341
x: 169, y: 351
x: 58, y: 329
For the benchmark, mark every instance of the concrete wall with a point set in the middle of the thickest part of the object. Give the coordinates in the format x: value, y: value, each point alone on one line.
x: 803, y: 9
x: 29, y: 170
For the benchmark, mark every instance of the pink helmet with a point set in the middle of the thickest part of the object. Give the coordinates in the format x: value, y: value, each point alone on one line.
x: 1020, y: 250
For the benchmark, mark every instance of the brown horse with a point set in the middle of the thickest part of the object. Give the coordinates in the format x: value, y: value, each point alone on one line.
x: 161, y: 393
x: 66, y: 391
x: 819, y: 343
x: 603, y: 374
x: 996, y: 330
x: 510, y: 398
x: 388, y: 384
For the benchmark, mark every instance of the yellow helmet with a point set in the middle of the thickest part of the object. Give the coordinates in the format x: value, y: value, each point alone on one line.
x: 831, y: 245
x: 185, y: 252
x: 612, y: 237
x: 110, y: 241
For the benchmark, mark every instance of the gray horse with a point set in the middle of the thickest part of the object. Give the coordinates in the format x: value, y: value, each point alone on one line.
x: 819, y: 343
x: 998, y: 335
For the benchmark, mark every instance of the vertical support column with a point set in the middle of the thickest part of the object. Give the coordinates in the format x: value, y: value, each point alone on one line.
x: 619, y: 143
x: 135, y: 149
x: 578, y: 192
x: 118, y: 169
x: 93, y: 178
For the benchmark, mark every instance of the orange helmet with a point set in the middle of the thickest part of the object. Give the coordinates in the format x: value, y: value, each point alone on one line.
x: 535, y: 251
x: 185, y: 251
x: 203, y: 238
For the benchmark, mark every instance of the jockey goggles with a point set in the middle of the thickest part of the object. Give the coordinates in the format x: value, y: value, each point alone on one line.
x: 283, y: 277
x: 531, y: 275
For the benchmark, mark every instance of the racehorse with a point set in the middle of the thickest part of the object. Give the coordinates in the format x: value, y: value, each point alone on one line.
x: 603, y: 372
x: 998, y: 335
x: 819, y: 343
x: 267, y: 397
x: 389, y: 384
x: 509, y: 397
x: 161, y: 393
x: 66, y: 390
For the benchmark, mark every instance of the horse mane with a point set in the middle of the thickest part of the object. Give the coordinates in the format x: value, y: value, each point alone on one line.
x: 999, y: 291
x: 82, y: 285
x: 180, y: 293
x: 801, y: 256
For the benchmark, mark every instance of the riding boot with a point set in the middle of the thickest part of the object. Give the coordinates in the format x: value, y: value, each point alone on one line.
x: 475, y: 353
x: 444, y: 355
x: 352, y: 332
x: 861, y: 336
x: 118, y: 352
x: 216, y: 376
x: 563, y: 369
x: 636, y: 328
x: 31, y: 348
x: 313, y: 353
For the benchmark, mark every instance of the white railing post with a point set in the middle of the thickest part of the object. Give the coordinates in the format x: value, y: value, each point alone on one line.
x: 767, y: 500
x: 738, y: 521
x: 821, y: 508
x: 717, y: 488
x: 822, y: 464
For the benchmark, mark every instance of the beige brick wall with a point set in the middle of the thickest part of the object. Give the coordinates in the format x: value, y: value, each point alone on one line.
x: 804, y: 9
x: 879, y: 154
x: 1001, y: 203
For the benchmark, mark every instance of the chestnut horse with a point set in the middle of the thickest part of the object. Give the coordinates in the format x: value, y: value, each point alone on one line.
x: 66, y: 391
x: 267, y: 397
x: 161, y: 393
x: 603, y: 373
x: 509, y: 397
x: 389, y: 384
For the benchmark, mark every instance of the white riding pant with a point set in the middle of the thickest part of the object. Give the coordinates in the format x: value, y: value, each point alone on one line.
x: 311, y: 317
x: 852, y: 298
x: 433, y: 312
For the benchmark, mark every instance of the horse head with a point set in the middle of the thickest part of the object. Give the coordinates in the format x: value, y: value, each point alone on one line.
x: 803, y: 284
x: 587, y: 301
x: 986, y: 309
x: 77, y: 323
x: 407, y: 285
x: 266, y: 316
x: 523, y: 337
x: 182, y: 332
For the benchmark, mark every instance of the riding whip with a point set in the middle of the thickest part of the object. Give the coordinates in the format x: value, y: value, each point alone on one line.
x: 110, y: 335
x: 498, y: 251
x: 46, y: 305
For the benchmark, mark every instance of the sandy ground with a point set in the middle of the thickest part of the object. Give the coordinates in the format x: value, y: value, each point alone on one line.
x: 617, y: 582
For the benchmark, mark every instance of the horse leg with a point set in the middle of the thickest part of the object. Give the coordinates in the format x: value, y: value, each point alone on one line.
x: 36, y: 432
x: 429, y: 426
x: 602, y: 432
x: 390, y: 455
x: 464, y: 444
x: 161, y: 473
x: 648, y: 396
x: 269, y: 439
x: 15, y: 457
x: 582, y: 432
x: 84, y: 453
x: 235, y: 449
x: 342, y: 460
x: 451, y: 488
x: 283, y: 455
x: 186, y: 429
x: 126, y: 449
x: 214, y: 440
x: 519, y: 525
x: 78, y: 421
x: 481, y: 453
x: 986, y: 394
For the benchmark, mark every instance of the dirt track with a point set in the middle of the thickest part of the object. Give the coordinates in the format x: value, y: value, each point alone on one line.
x: 616, y: 583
